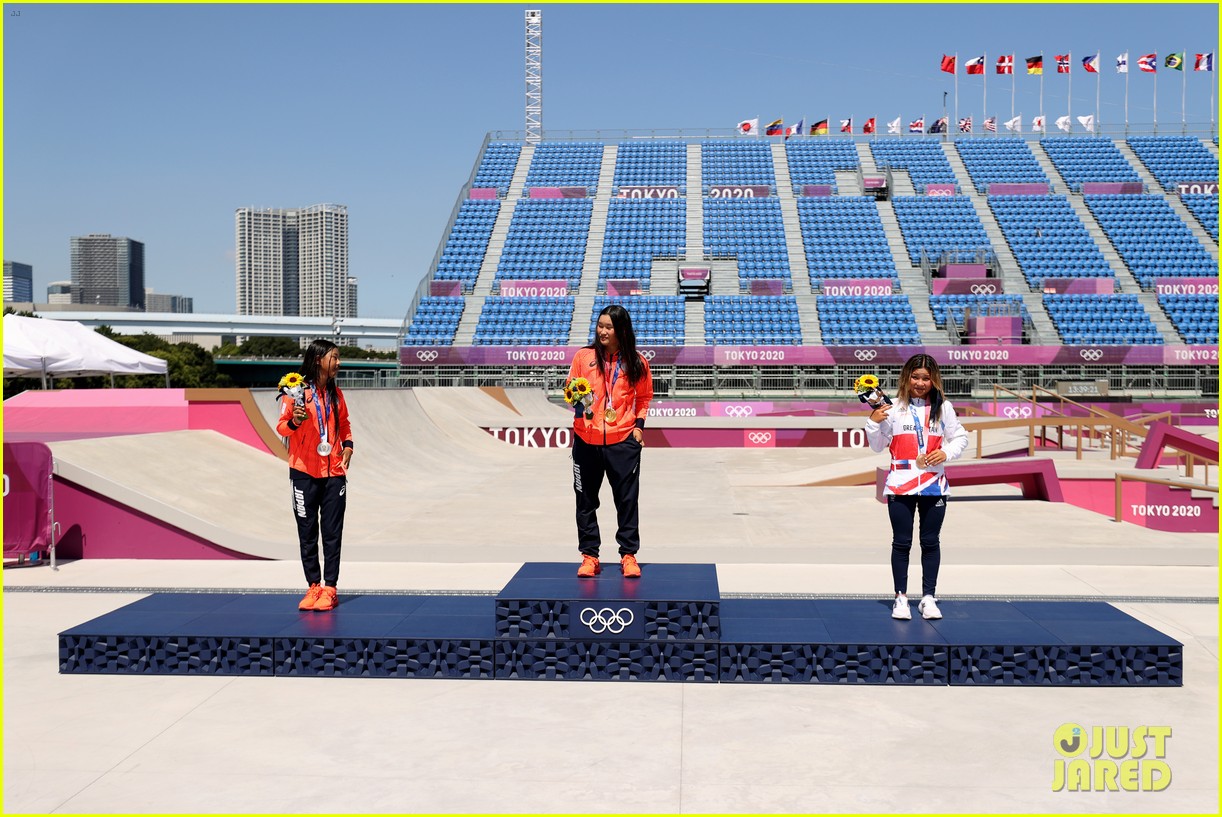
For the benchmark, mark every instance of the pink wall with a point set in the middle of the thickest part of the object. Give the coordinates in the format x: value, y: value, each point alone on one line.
x: 228, y: 418
x: 1157, y: 507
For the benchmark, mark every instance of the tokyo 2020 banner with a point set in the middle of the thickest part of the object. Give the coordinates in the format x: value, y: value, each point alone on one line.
x: 823, y: 355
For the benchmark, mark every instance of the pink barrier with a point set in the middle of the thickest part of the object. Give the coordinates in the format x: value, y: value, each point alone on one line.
x: 1129, y: 188
x: 621, y: 287
x: 740, y: 191
x: 767, y: 286
x: 1037, y: 478
x: 939, y: 190
x: 445, y: 289
x: 966, y: 286
x: 963, y: 271
x: 1018, y: 189
x: 482, y: 193
x: 1163, y: 435
x: 27, y: 498
x: 644, y: 192
x: 994, y: 330
x: 855, y: 286
x: 1079, y: 286
x: 533, y: 289
x: 1186, y: 286
x: 816, y: 190
x: 1157, y: 507
x: 558, y: 193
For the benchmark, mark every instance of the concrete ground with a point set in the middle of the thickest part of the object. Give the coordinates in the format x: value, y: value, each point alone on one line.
x: 439, y: 506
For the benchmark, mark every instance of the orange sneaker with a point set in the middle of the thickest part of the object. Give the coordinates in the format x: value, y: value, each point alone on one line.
x: 631, y: 569
x: 589, y: 567
x: 327, y: 600
x: 311, y: 597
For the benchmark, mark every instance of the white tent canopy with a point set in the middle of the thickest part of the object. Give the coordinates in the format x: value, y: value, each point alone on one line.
x: 41, y: 347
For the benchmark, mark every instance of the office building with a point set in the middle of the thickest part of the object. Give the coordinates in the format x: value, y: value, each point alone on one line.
x: 161, y: 302
x: 18, y: 282
x: 59, y: 292
x: 107, y: 271
x: 293, y: 262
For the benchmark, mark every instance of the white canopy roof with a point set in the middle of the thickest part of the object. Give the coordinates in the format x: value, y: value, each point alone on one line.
x: 37, y: 346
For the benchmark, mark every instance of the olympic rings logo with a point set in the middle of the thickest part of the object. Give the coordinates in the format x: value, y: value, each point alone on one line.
x: 865, y: 354
x: 984, y: 289
x: 1090, y: 354
x: 606, y: 620
x: 647, y: 353
x: 1015, y: 412
x: 760, y: 437
x: 739, y: 411
x: 427, y: 355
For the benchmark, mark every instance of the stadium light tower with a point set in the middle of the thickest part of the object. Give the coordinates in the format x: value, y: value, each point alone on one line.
x: 534, y: 75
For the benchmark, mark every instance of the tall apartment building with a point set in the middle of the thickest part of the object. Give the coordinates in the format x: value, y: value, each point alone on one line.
x: 294, y: 262
x: 18, y: 282
x: 163, y: 302
x: 107, y: 271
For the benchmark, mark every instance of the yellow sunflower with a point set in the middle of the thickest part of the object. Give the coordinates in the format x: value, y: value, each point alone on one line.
x: 865, y: 383
x: 291, y: 380
x: 581, y: 386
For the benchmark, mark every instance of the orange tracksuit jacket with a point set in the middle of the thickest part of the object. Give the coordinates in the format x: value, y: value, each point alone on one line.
x: 630, y: 402
x: 304, y: 438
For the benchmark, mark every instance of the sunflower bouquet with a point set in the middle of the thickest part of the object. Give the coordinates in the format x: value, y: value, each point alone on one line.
x: 869, y: 392
x: 578, y: 392
x: 293, y: 384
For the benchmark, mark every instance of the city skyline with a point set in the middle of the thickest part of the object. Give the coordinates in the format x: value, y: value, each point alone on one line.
x: 396, y: 133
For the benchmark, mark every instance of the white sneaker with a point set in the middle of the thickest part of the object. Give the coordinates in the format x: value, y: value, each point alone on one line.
x: 929, y: 608
x: 900, y: 609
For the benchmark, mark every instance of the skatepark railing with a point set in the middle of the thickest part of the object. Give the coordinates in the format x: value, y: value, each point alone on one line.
x: 1171, y: 483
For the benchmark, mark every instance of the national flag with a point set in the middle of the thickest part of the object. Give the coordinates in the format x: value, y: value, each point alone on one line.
x: 795, y: 130
x: 1205, y: 62
x: 775, y: 128
x: 1015, y: 125
x: 869, y: 126
x: 1035, y: 65
x: 938, y: 126
x: 1122, y: 63
x: 819, y: 128
x: 1091, y: 64
x: 917, y: 125
x: 1063, y: 123
x: 948, y: 63
x: 894, y: 125
x: 975, y: 65
x: 1005, y: 64
x: 1062, y: 63
x: 846, y: 125
x: 1175, y: 61
x: 990, y: 124
x: 1088, y: 122
x: 1037, y: 123
x: 965, y: 125
x: 1148, y: 63
x: 749, y: 127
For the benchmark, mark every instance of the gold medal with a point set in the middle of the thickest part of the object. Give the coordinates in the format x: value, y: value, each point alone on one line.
x: 610, y: 415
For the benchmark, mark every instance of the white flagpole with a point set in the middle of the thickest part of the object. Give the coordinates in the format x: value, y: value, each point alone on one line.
x: 947, y: 135
x: 1011, y: 87
x: 1184, y: 92
x: 1069, y: 98
x: 1156, y: 93
x: 1041, y: 84
x: 1098, y: 79
x: 1126, y: 93
x: 985, y: 100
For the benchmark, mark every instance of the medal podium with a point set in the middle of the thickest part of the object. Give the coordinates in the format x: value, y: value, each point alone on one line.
x: 672, y: 624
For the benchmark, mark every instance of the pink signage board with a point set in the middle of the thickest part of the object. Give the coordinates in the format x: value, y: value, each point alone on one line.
x: 966, y: 286
x: 558, y: 193
x: 445, y: 289
x: 816, y: 190
x: 694, y: 273
x: 767, y: 286
x: 1018, y: 189
x: 1194, y: 188
x: 534, y: 289
x: 856, y: 287
x: 1079, y: 286
x: 963, y: 270
x: 1186, y: 286
x: 27, y: 498
x: 939, y: 190
x: 621, y: 287
x: 740, y: 191
x: 996, y: 330
x: 873, y: 182
x: 1131, y: 188
x: 482, y: 193
x: 644, y: 192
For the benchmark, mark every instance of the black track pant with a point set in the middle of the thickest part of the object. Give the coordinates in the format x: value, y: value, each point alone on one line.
x: 315, y: 498
x: 903, y: 511
x: 621, y: 463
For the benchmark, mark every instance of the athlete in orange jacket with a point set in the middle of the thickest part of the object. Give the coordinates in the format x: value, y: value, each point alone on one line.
x: 320, y: 448
x: 609, y: 441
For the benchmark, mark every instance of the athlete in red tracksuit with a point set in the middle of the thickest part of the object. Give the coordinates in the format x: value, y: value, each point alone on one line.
x: 610, y: 441
x: 320, y: 448
x: 922, y: 433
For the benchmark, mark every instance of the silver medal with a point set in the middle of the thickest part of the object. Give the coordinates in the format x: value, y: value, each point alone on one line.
x: 324, y: 448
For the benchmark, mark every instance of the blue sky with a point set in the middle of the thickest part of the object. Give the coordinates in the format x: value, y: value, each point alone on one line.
x: 157, y: 121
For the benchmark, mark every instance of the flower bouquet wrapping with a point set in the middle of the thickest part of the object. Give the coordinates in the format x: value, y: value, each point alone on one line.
x: 293, y: 384
x: 577, y: 392
x: 868, y: 391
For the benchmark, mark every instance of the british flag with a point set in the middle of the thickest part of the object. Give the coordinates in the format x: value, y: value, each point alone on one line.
x: 965, y: 125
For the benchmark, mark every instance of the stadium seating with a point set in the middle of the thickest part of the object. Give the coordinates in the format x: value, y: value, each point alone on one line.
x: 815, y: 161
x: 999, y: 160
x: 1088, y: 159
x: 1048, y: 238
x: 1194, y: 316
x: 639, y: 230
x: 736, y: 162
x: 467, y: 243
x: 434, y: 321
x: 647, y: 163
x: 769, y: 320
x: 752, y: 231
x: 1153, y: 241
x: 855, y: 320
x: 546, y: 241
x: 1205, y: 208
x: 1104, y: 320
x: 844, y: 238
x: 524, y: 321
x: 1174, y: 159
x: 657, y: 320
x: 944, y: 306
x: 922, y: 158
x: 566, y: 164
x: 497, y: 166
x: 945, y: 229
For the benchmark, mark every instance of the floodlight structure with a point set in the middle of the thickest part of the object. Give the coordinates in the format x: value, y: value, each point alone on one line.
x: 534, y: 76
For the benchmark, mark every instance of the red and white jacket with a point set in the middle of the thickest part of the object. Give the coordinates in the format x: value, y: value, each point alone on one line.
x: 899, y: 433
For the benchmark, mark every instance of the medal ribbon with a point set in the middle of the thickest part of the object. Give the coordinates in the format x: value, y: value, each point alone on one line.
x: 322, y: 414
x: 614, y: 378
x: 920, y: 434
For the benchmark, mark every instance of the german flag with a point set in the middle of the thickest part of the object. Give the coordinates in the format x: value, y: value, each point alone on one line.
x: 819, y: 128
x: 1035, y: 65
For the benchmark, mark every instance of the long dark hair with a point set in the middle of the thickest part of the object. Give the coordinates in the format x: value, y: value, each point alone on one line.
x: 634, y: 366
x: 310, y: 362
x: 935, y: 389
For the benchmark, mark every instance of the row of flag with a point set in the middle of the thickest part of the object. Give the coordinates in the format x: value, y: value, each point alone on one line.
x: 751, y: 127
x: 1146, y: 63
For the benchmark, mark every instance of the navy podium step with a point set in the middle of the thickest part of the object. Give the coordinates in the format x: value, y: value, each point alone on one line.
x: 670, y: 625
